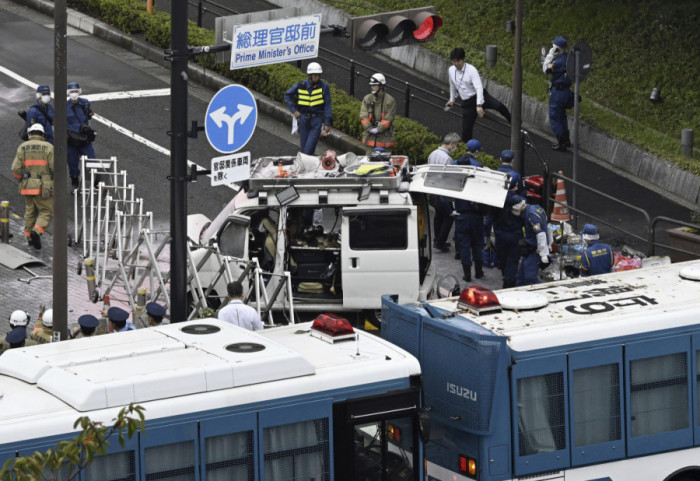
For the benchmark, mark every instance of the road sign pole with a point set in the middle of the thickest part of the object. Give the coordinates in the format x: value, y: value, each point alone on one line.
x: 178, y: 166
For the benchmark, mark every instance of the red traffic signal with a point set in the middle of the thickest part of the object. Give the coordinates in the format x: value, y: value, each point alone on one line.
x: 393, y: 29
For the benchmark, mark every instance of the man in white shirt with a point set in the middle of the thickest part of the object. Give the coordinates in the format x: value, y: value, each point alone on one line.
x: 465, y: 81
x: 237, y: 313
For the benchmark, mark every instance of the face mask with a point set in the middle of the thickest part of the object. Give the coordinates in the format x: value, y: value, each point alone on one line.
x: 374, y: 88
x: 45, y: 99
x: 73, y: 96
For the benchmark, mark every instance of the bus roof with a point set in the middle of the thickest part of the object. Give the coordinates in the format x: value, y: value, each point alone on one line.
x: 587, y: 309
x: 228, y: 365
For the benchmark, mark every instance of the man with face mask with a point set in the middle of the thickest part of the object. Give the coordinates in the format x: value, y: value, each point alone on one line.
x: 42, y: 112
x: 80, y: 134
x: 442, y: 221
x: 377, y: 115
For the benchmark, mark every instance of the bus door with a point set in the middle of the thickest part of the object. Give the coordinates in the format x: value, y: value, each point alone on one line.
x: 377, y: 438
x: 379, y: 254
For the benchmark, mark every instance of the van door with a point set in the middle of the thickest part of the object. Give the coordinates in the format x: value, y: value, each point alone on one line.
x: 379, y: 255
x: 476, y: 184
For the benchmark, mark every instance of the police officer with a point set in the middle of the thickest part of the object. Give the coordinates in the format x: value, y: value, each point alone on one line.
x: 598, y: 257
x: 534, y: 248
x: 152, y: 316
x: 560, y: 96
x: 43, y: 333
x: 33, y: 167
x: 18, y: 322
x: 42, y: 112
x: 118, y: 320
x: 506, y: 166
x: 80, y: 134
x: 87, y: 327
x: 469, y: 158
x: 377, y: 115
x: 508, y: 230
x: 310, y: 103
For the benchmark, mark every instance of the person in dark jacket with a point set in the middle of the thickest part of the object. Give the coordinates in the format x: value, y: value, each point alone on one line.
x: 80, y: 134
x: 310, y: 103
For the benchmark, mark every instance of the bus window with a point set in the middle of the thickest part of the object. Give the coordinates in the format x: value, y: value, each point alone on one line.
x: 383, y: 450
x: 297, y: 451
x: 171, y: 461
x: 112, y: 467
x: 229, y: 456
x: 541, y: 414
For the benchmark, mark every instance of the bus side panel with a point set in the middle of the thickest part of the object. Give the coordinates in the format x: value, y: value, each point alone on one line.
x: 696, y: 387
x: 539, y: 404
x: 596, y: 397
x: 658, y: 395
x: 169, y: 451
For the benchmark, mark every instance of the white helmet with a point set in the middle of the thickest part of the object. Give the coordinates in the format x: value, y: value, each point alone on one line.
x: 35, y: 128
x: 19, y: 319
x: 47, y: 320
x: 314, y: 67
x: 377, y: 79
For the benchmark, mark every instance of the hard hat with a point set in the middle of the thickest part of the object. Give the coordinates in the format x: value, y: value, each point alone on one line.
x: 314, y: 67
x: 74, y: 86
x: 35, y: 128
x: 47, y: 319
x: 590, y: 232
x: 474, y: 145
x: 377, y: 79
x: 560, y: 42
x: 507, y: 156
x: 19, y: 318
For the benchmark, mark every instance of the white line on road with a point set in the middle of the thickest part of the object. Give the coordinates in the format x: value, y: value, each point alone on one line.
x: 109, y: 123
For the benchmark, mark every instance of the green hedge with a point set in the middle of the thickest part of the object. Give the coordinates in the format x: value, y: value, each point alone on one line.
x: 413, y: 139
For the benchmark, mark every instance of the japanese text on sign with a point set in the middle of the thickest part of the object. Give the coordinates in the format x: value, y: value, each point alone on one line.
x: 230, y: 168
x: 275, y: 41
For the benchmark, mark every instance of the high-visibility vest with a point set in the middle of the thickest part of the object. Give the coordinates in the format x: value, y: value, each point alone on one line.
x: 310, y: 98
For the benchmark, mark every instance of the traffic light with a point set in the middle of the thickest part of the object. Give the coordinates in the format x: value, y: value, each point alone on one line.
x: 393, y: 29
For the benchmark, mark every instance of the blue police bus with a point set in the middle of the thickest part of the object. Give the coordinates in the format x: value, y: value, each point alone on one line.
x: 314, y: 401
x: 577, y: 380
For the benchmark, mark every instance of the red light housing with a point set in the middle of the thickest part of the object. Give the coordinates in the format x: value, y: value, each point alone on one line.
x: 332, y: 328
x: 427, y: 27
x: 478, y: 300
x: 467, y: 466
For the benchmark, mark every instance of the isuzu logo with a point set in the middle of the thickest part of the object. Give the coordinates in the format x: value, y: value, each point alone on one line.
x: 461, y: 391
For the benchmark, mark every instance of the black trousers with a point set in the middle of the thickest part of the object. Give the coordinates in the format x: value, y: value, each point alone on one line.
x: 469, y: 114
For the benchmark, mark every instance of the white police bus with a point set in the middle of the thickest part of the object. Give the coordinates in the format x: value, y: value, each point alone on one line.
x: 223, y: 403
x: 579, y: 380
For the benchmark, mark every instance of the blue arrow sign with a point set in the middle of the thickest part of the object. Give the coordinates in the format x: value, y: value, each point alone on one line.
x: 231, y: 118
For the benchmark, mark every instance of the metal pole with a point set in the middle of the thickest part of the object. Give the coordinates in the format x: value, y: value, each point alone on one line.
x: 5, y: 220
x: 407, y: 99
x: 199, y: 13
x: 60, y: 221
x: 687, y: 142
x: 178, y: 162
x: 352, y: 78
x: 517, y: 95
x: 577, y: 83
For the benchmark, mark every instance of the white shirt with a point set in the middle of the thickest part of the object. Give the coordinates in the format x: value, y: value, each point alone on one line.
x: 467, y: 82
x: 440, y: 156
x: 239, y: 314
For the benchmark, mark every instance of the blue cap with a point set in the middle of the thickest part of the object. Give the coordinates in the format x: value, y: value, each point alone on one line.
x: 474, y: 145
x: 88, y: 320
x: 590, y: 232
x: 154, y: 309
x: 43, y: 89
x: 73, y: 86
x: 507, y: 156
x: 16, y: 335
x: 117, y: 314
x: 560, y: 42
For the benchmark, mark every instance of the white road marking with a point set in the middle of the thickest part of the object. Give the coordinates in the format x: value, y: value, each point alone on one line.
x: 122, y: 130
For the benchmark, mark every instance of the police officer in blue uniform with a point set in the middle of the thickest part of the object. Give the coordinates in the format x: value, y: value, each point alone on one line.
x: 560, y: 96
x: 506, y: 166
x: 598, y: 257
x: 310, y: 102
x: 534, y: 247
x: 87, y: 325
x: 508, y: 230
x: 80, y: 134
x: 155, y: 313
x: 42, y: 112
x: 469, y: 223
x: 118, y: 320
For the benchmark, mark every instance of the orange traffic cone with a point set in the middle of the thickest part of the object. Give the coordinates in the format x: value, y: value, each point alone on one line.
x: 560, y: 211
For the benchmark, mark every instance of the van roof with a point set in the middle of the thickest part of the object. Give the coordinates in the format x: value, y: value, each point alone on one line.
x: 593, y: 308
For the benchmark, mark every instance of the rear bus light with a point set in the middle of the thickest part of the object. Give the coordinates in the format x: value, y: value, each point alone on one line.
x: 332, y: 328
x: 467, y: 466
x: 478, y: 300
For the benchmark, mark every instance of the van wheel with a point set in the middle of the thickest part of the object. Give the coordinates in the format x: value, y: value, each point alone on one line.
x: 373, y: 319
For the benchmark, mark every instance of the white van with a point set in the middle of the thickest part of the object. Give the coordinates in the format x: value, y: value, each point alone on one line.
x: 346, y: 228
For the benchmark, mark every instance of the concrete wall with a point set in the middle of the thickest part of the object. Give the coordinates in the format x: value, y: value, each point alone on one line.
x: 650, y: 170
